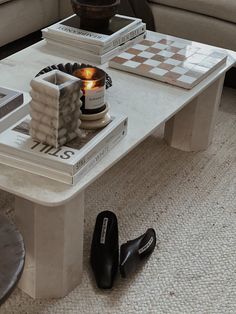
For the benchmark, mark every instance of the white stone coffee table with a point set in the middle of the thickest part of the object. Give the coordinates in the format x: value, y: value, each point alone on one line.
x: 49, y: 214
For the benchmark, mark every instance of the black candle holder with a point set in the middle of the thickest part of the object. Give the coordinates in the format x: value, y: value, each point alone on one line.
x: 95, y: 14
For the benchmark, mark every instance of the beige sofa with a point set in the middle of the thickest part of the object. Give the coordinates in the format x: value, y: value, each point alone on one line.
x: 208, y: 21
x: 19, y: 18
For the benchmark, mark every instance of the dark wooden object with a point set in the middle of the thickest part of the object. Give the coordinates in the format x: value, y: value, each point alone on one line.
x: 12, y: 257
x: 95, y: 15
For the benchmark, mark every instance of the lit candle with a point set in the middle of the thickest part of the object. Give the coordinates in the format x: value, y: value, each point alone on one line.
x: 93, y: 88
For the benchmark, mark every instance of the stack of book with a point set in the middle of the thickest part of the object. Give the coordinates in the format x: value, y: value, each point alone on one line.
x: 14, y: 105
x: 66, y: 164
x: 123, y: 32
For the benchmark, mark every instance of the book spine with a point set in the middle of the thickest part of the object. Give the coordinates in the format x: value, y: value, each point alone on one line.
x: 83, y: 54
x: 10, y: 104
x: 35, y: 157
x: 99, y: 156
x: 91, y: 37
x: 14, y: 116
x: 111, y: 54
x: 95, y: 48
x: 74, y: 33
x: 57, y: 175
x: 91, y: 48
x: 63, y: 159
x: 124, y: 38
x: 34, y: 168
x: 100, y: 147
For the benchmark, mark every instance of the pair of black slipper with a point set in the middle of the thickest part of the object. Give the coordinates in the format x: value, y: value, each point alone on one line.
x: 105, y: 250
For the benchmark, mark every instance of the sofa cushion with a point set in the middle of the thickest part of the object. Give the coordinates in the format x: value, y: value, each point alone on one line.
x: 201, y: 28
x: 221, y: 9
x: 65, y: 8
x: 26, y: 16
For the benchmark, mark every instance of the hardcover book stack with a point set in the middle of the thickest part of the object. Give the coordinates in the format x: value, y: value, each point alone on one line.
x: 123, y: 32
x: 67, y: 163
x: 14, y: 105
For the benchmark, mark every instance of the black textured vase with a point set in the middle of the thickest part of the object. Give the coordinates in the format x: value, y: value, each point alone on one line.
x: 104, y: 256
x: 95, y: 15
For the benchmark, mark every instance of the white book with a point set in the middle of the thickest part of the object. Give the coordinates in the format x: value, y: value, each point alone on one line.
x: 119, y: 26
x: 89, y: 56
x: 96, y: 49
x: 15, y: 114
x: 60, y: 176
x: 70, y: 158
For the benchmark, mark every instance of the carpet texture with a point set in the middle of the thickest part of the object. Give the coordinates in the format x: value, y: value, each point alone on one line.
x: 190, y: 200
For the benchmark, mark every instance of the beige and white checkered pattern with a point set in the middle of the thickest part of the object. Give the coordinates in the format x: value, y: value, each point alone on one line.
x: 169, y: 61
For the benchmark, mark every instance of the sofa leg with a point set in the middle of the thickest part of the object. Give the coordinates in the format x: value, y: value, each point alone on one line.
x: 53, y: 239
x: 191, y: 129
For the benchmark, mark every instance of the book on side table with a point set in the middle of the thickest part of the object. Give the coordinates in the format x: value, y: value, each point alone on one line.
x: 68, y: 163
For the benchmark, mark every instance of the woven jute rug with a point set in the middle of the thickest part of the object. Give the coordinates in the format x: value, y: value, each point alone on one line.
x: 190, y: 200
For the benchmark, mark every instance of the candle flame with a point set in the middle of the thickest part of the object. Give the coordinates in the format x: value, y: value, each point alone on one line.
x: 89, y: 84
x: 89, y: 72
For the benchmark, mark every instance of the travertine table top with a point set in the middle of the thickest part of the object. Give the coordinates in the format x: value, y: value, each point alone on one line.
x: 146, y: 102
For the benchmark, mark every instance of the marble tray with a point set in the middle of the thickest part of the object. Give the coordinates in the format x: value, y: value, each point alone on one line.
x: 170, y: 60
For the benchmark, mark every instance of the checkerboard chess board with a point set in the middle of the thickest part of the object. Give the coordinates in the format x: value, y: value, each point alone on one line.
x: 172, y: 61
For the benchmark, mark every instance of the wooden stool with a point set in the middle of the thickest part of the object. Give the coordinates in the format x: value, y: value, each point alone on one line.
x: 12, y: 257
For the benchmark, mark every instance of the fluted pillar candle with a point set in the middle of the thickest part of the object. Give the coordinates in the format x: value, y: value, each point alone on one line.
x: 55, y: 108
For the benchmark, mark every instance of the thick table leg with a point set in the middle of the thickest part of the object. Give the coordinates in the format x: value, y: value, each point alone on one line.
x: 191, y: 129
x: 53, y: 239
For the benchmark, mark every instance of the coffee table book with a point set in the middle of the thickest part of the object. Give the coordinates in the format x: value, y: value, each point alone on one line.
x: 89, y: 56
x: 91, y: 47
x: 171, y: 61
x: 119, y: 26
x: 14, y: 105
x: 67, y: 163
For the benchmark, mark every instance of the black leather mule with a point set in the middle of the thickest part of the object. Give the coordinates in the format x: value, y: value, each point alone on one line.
x: 132, y: 252
x: 104, y: 256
